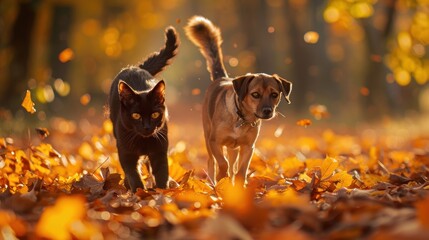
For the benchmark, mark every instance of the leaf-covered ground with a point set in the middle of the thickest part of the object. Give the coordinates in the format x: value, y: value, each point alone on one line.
x: 304, y: 184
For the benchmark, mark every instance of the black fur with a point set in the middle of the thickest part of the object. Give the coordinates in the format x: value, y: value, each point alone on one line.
x: 155, y: 63
x: 135, y: 91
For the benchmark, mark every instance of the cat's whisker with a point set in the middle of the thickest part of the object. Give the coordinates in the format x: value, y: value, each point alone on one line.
x: 155, y: 135
x: 163, y: 135
x: 160, y: 136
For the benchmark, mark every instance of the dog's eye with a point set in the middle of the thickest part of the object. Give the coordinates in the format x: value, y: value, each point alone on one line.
x: 274, y: 95
x: 136, y: 116
x: 155, y: 115
x: 256, y: 95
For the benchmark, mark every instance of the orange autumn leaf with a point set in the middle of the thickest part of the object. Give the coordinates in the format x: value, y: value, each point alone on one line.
x: 27, y: 103
x: 342, y: 179
x: 235, y: 197
x: 198, y: 186
x: 422, y: 209
x: 193, y: 200
x: 292, y: 166
x: 329, y: 165
x: 176, y: 171
x: 304, y: 122
x: 151, y: 216
x: 289, y: 197
x: 17, y: 227
x: 66, y: 211
x: 174, y: 215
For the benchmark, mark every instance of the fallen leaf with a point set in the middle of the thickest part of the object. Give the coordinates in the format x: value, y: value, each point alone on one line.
x: 422, y: 210
x: 329, y: 165
x: 56, y: 221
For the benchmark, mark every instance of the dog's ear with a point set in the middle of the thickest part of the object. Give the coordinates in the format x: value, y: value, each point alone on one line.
x: 240, y: 85
x: 285, y: 86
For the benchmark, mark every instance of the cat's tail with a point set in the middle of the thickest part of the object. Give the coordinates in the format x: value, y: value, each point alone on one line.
x: 156, y: 62
x: 207, y: 37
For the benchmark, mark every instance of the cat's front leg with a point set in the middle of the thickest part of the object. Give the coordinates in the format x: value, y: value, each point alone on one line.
x: 159, y: 164
x: 129, y: 165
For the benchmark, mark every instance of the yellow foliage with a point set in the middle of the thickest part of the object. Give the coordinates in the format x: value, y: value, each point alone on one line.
x: 62, y: 219
x: 292, y: 166
x: 289, y: 197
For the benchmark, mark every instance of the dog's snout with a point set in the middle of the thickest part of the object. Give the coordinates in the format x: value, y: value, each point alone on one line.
x: 267, y: 111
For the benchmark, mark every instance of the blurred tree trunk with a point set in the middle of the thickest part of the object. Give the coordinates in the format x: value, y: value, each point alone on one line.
x: 59, y: 39
x: 382, y: 96
x: 20, y: 44
x: 302, y: 61
x: 255, y: 22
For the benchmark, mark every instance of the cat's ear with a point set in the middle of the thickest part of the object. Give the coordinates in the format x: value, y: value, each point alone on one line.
x: 126, y: 93
x: 158, y: 92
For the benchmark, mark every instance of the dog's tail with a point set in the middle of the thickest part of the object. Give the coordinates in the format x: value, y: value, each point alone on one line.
x: 206, y: 36
x: 156, y: 62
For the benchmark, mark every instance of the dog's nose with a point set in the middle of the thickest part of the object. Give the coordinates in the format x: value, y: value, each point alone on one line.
x: 267, y: 111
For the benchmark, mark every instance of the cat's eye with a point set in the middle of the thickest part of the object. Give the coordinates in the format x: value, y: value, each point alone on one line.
x: 274, y: 95
x: 256, y: 95
x: 155, y: 115
x: 136, y: 116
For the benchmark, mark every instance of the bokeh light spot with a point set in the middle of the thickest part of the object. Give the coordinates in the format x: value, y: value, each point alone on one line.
x: 311, y: 37
x: 66, y: 55
x: 85, y: 99
x: 331, y: 14
x: 233, y: 62
x: 402, y: 77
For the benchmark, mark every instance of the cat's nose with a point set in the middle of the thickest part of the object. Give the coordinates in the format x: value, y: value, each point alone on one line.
x: 146, y: 129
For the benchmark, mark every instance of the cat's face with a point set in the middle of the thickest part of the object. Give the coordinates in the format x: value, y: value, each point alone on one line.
x: 143, y: 112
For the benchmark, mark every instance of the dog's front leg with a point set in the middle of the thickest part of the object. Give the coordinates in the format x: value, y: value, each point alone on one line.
x: 222, y: 162
x: 232, y: 159
x: 246, y: 153
x: 211, y: 163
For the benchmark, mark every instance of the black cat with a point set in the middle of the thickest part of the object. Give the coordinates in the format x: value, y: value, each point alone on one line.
x: 139, y: 115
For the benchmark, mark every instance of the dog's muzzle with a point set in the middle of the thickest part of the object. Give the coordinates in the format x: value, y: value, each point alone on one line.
x: 267, y: 113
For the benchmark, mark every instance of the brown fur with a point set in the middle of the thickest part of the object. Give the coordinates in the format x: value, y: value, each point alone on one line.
x: 233, y: 107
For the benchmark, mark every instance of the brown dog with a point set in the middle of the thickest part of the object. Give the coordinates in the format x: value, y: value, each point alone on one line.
x: 233, y: 107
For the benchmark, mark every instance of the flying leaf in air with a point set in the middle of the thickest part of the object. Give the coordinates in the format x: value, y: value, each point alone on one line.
x: 303, y: 122
x: 319, y: 111
x: 27, y: 103
x: 43, y: 132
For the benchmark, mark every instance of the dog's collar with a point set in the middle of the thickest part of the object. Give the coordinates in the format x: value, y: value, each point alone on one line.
x: 241, y: 120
